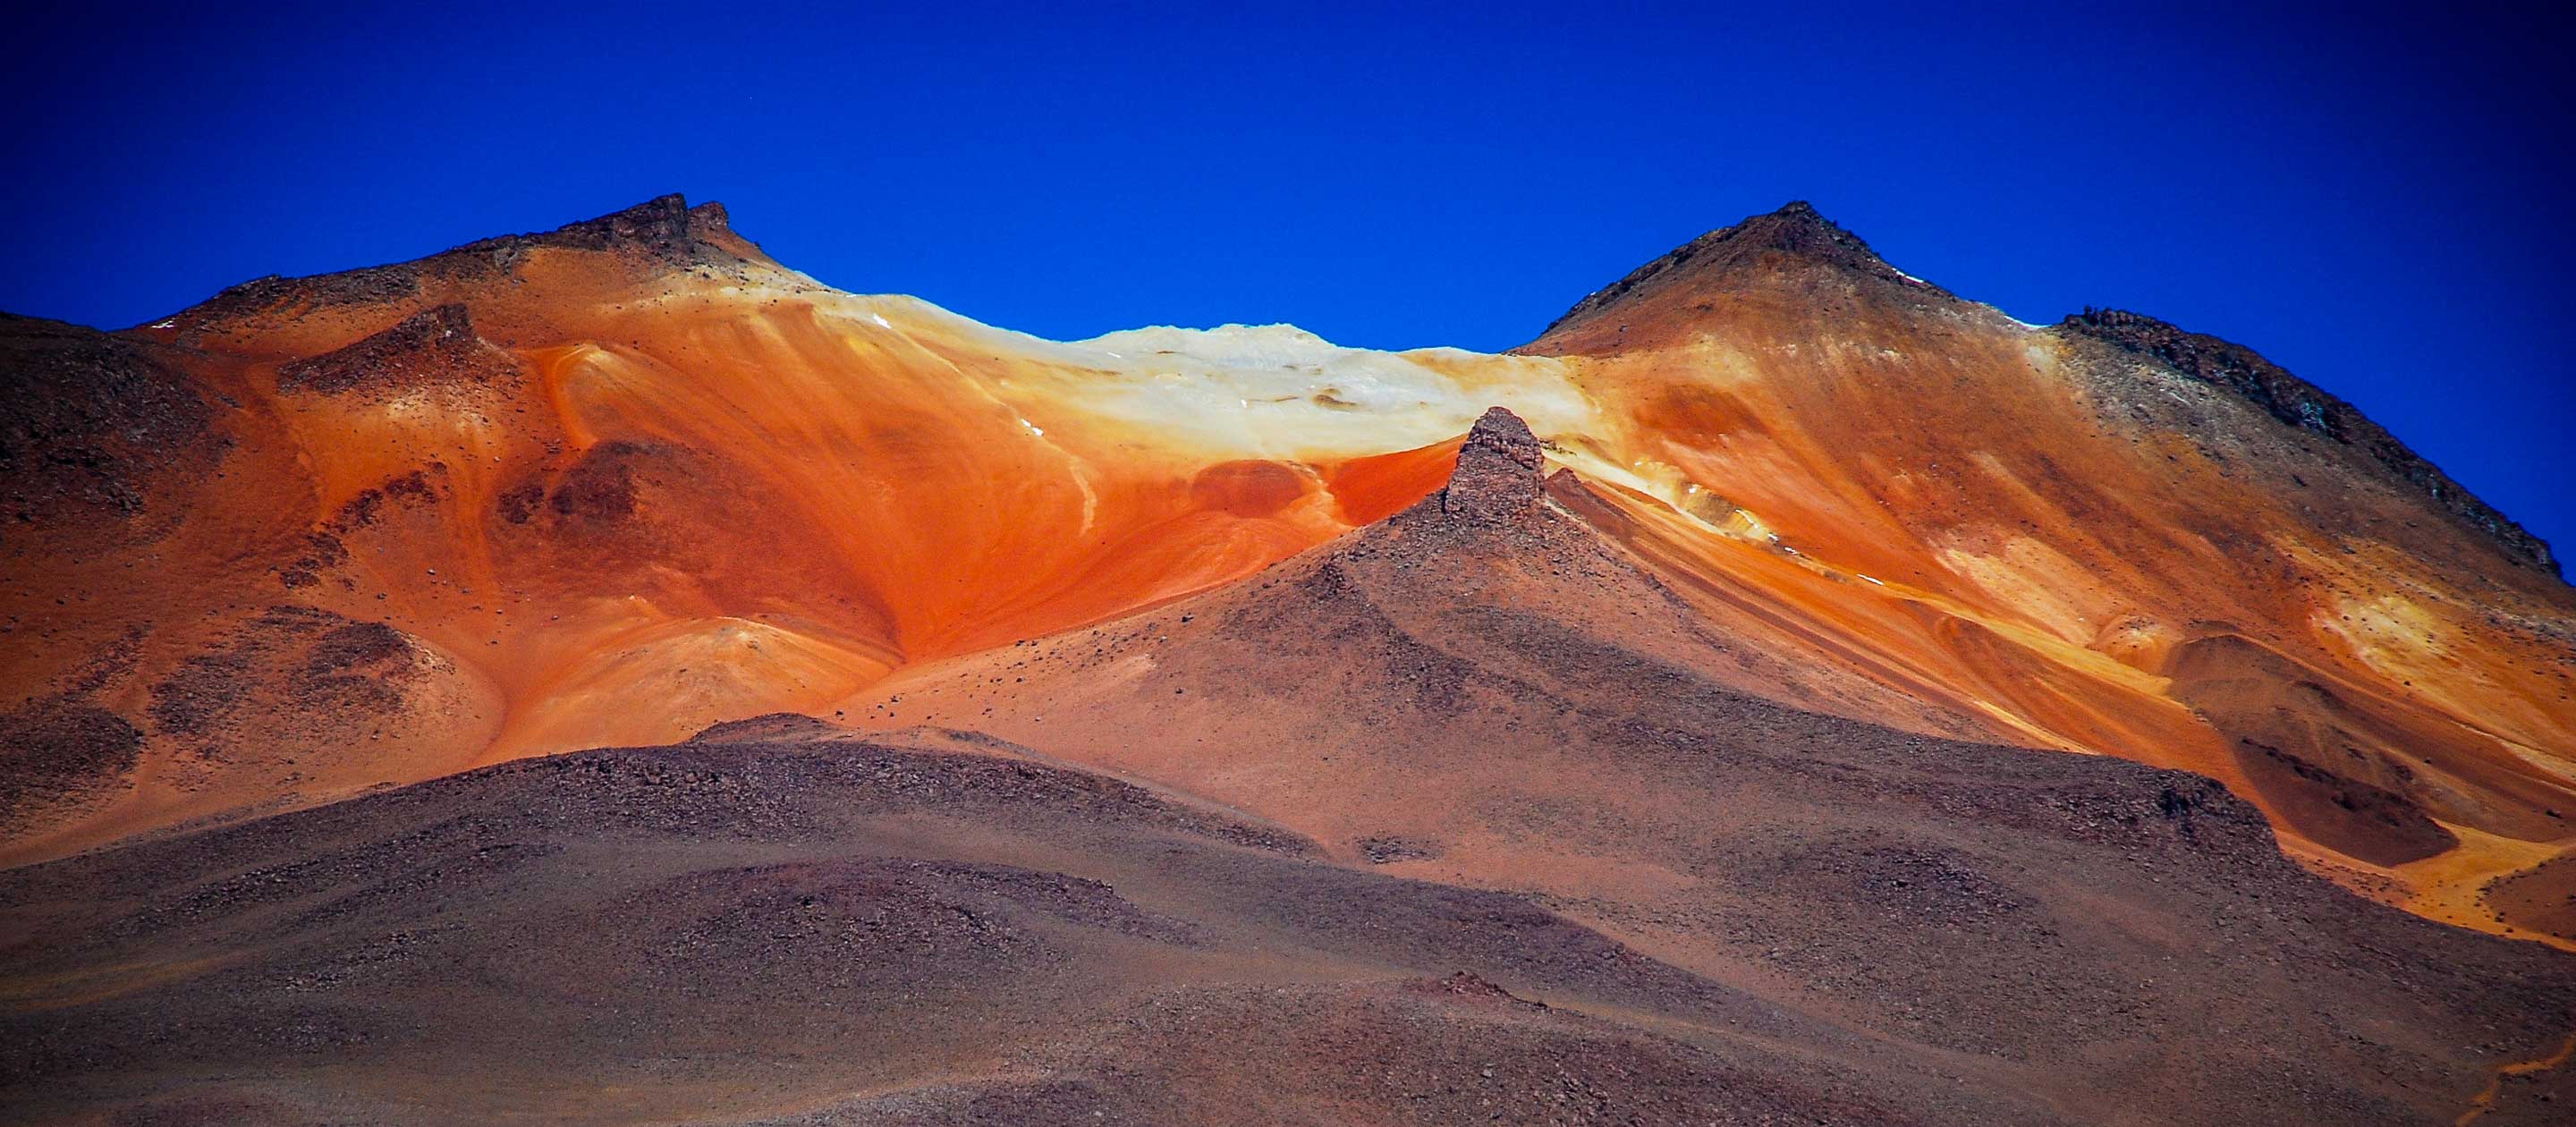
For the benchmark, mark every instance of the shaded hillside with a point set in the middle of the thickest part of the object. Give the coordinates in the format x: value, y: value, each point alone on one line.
x: 2298, y: 403
x: 809, y: 928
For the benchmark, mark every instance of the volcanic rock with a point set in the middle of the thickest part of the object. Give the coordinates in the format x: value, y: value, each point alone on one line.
x: 1497, y: 479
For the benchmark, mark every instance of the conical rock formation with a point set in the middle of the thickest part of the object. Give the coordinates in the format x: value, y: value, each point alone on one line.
x: 1498, y: 472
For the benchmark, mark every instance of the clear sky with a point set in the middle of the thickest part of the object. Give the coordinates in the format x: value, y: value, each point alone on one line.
x: 2378, y: 200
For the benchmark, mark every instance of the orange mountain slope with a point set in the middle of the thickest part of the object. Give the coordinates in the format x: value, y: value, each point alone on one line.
x: 613, y: 483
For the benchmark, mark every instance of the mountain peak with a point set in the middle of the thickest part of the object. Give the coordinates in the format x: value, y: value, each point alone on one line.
x: 663, y: 224
x: 1792, y: 246
x: 1497, y: 479
x: 1798, y: 228
x: 659, y: 234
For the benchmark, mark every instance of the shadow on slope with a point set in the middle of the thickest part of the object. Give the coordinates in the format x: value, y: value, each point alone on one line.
x: 765, y: 921
x: 1482, y: 691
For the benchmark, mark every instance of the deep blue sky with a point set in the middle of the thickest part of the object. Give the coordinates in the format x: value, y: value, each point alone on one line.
x: 2376, y: 200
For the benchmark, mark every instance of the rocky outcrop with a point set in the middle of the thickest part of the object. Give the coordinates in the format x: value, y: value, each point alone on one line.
x: 86, y: 417
x: 57, y: 749
x: 434, y: 345
x: 1498, y: 474
x: 2296, y: 402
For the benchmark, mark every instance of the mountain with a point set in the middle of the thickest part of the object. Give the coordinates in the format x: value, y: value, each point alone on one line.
x: 1784, y: 688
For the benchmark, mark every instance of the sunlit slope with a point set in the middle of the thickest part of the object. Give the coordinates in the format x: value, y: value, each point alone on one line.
x: 2106, y: 535
x: 613, y: 483
x: 614, y: 489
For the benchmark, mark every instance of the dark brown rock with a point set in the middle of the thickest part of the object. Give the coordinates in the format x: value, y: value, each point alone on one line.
x: 2296, y: 402
x: 1497, y: 479
x: 434, y: 345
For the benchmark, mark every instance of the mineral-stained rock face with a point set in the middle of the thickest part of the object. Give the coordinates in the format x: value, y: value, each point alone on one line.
x: 615, y: 483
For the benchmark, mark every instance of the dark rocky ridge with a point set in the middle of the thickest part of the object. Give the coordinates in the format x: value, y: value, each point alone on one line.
x: 663, y: 231
x: 2298, y: 403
